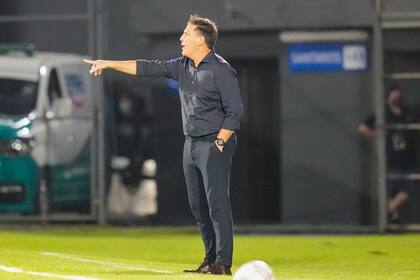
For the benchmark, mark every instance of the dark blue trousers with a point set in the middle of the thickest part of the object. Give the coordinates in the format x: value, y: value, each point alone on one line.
x: 207, y: 174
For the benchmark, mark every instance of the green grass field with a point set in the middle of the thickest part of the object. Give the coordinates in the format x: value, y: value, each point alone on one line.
x: 92, y: 252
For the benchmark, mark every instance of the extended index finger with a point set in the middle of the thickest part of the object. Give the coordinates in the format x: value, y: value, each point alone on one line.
x: 89, y: 61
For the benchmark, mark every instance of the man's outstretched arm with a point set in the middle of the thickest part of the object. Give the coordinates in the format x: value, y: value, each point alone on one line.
x: 126, y: 66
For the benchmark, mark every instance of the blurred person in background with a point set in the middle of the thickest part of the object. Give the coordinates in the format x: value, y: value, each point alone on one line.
x: 211, y: 112
x: 398, y: 150
x: 133, y: 134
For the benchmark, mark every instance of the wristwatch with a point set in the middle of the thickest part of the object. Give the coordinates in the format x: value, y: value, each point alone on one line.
x: 220, y: 142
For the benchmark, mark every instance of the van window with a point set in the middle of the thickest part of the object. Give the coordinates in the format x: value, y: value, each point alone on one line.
x: 17, y: 97
x: 54, y: 90
x: 76, y: 89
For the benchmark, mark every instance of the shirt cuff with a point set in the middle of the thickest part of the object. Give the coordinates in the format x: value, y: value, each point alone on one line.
x: 231, y: 124
x: 141, y: 66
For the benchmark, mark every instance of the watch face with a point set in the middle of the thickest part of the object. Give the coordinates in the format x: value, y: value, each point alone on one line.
x: 220, y: 142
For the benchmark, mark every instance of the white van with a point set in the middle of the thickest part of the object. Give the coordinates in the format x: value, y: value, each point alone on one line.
x: 46, y: 124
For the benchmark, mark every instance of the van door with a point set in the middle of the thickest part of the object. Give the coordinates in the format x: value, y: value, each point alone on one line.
x: 60, y: 141
x: 71, y: 175
x: 78, y: 87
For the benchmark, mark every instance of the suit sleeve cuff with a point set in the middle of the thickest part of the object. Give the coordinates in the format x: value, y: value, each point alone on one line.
x: 231, y: 124
x: 141, y: 66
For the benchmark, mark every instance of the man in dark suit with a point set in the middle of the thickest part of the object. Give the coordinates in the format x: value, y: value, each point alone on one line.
x: 211, y: 113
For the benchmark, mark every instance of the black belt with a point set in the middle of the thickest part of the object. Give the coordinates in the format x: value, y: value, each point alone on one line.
x: 208, y: 137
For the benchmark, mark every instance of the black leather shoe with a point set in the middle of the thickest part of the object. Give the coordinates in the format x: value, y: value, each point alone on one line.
x: 219, y: 269
x: 203, y: 268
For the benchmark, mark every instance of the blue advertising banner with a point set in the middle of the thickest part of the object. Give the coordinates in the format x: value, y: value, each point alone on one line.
x: 327, y: 57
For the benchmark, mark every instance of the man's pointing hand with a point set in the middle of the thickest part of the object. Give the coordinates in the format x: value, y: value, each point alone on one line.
x: 97, y: 66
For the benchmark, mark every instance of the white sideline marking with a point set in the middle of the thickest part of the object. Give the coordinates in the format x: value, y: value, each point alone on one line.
x: 407, y: 272
x: 45, y: 274
x: 106, y: 263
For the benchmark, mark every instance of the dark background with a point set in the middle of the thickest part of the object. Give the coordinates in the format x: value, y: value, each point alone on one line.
x: 300, y: 159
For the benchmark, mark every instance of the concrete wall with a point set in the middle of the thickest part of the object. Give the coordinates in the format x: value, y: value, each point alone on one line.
x: 161, y: 16
x: 63, y: 36
x: 326, y: 165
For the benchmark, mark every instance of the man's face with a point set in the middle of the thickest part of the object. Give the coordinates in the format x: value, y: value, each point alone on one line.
x: 394, y: 97
x: 191, y: 40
